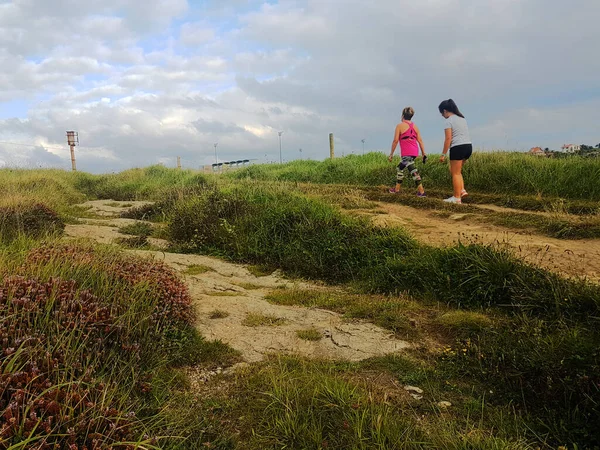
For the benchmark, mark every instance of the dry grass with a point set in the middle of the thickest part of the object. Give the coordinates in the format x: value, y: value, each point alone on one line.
x: 198, y: 269
x: 218, y: 314
x: 263, y: 320
x: 312, y: 334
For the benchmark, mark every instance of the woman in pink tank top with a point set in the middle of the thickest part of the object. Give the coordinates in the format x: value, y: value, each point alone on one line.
x: 409, y: 137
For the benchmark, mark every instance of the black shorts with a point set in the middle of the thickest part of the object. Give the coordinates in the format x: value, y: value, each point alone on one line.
x: 461, y: 152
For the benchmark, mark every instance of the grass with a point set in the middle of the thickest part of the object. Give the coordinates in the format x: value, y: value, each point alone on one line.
x: 312, y: 239
x: 262, y: 320
x: 225, y: 294
x: 464, y: 321
x: 312, y: 335
x: 141, y: 229
x: 249, y: 286
x: 289, y: 402
x: 391, y: 312
x: 260, y: 271
x: 527, y: 335
x: 218, y: 314
x: 198, y: 269
x: 557, y: 225
x: 134, y: 242
x: 30, y: 219
x: 100, y: 326
x: 493, y: 173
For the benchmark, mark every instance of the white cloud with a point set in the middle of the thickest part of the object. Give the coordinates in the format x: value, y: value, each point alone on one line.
x: 144, y: 82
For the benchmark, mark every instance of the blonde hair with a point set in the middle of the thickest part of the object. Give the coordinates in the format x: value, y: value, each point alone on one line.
x: 408, y: 113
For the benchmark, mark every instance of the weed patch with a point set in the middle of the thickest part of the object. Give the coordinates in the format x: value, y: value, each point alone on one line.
x: 198, y: 269
x: 262, y: 320
x: 134, y: 242
x: 33, y: 220
x: 218, y: 314
x: 141, y: 229
x: 386, y: 311
x: 249, y: 286
x: 311, y: 334
x: 291, y: 403
x: 87, y: 337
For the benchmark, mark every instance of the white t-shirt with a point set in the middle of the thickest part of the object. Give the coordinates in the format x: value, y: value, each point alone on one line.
x: 460, y: 130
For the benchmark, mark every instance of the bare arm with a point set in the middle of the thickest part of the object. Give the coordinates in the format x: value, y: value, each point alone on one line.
x: 447, y: 142
x: 395, y: 141
x: 420, y: 141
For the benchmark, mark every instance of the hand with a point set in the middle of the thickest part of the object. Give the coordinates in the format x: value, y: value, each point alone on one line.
x: 390, y: 158
x: 443, y: 158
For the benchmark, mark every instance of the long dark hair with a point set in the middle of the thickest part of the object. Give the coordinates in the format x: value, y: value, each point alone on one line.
x: 450, y: 106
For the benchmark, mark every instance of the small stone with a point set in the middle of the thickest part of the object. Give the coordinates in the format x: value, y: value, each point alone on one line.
x: 413, y: 389
x: 417, y: 396
x: 444, y: 404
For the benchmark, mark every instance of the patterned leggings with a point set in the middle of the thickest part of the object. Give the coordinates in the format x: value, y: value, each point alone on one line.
x: 408, y: 162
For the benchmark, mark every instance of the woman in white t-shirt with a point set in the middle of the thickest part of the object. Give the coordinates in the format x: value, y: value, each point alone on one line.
x: 458, y: 143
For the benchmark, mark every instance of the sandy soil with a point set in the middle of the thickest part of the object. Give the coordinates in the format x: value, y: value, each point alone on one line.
x: 579, y: 258
x: 233, y: 289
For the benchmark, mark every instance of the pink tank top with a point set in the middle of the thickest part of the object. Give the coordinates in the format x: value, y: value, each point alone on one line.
x: 408, y: 141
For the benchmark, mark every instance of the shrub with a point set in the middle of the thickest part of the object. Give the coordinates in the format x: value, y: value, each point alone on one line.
x: 87, y: 337
x: 175, y: 305
x: 49, y: 390
x: 33, y: 220
x: 281, y: 229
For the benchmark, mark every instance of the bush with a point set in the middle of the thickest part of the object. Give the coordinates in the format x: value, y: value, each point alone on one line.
x: 175, y: 305
x: 281, y: 229
x: 50, y: 393
x: 33, y: 220
x: 87, y: 335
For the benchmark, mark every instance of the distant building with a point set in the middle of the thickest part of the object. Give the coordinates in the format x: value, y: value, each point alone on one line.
x: 571, y: 148
x: 537, y: 151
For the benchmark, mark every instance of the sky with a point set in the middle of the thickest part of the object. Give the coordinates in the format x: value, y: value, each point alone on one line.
x: 145, y: 81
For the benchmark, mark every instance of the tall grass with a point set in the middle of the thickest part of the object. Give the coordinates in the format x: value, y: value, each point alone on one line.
x: 88, y: 336
x: 298, y: 404
x: 268, y: 225
x: 282, y: 229
x: 494, y: 173
x: 150, y: 183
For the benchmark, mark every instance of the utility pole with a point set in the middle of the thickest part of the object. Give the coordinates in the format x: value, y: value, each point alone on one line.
x: 73, y: 140
x: 280, y: 154
x: 179, y: 162
x: 216, y: 157
x: 300, y: 150
x: 363, y: 142
x: 331, y: 146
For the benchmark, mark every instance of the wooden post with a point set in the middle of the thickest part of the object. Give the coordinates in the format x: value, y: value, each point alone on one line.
x: 331, y: 146
x: 179, y: 162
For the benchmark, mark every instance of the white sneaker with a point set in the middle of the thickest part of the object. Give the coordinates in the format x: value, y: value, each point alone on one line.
x: 453, y: 200
x: 464, y: 193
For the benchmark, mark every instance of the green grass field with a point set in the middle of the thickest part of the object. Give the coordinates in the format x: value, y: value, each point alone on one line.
x: 97, y: 343
x: 491, y: 173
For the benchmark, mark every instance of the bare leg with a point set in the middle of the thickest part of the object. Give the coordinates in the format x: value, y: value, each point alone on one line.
x: 421, y: 189
x: 457, y: 179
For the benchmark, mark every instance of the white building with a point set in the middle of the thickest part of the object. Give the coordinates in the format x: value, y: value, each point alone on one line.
x: 571, y: 148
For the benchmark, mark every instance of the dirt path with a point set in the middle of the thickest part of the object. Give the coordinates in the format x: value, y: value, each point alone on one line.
x: 569, y: 257
x: 233, y: 290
